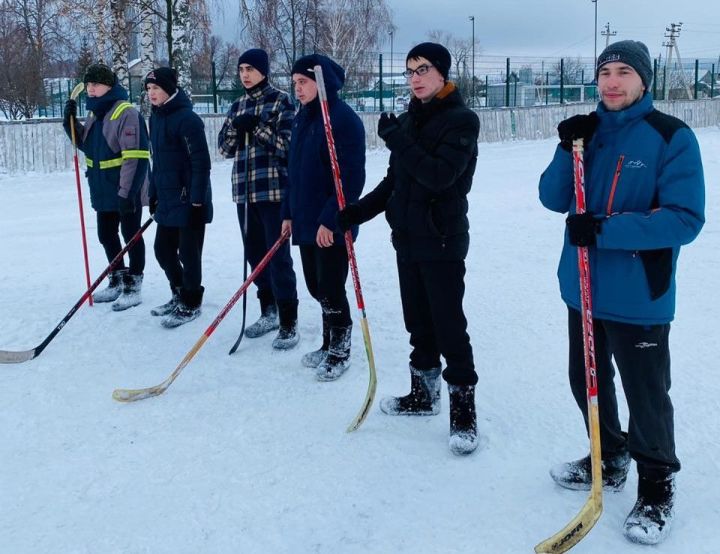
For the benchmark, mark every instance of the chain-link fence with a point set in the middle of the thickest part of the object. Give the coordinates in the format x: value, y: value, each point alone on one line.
x: 377, y: 84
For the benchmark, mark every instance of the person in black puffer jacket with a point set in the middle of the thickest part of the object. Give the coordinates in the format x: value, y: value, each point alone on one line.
x: 180, y: 194
x: 424, y: 196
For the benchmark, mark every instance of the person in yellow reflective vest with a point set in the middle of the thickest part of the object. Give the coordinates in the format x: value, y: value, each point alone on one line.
x: 114, y: 140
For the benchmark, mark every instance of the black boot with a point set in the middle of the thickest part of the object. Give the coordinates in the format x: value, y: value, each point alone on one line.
x: 268, y: 320
x: 314, y: 358
x: 130, y: 292
x: 114, y: 288
x: 287, y: 336
x: 169, y: 306
x: 424, y: 397
x: 337, y: 360
x: 463, y: 420
x: 650, y: 519
x: 577, y: 475
x: 186, y: 310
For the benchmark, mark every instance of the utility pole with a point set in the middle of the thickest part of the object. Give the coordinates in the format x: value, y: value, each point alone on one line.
x: 472, y: 77
x: 595, y: 35
x: 671, y: 44
x: 607, y: 34
x: 392, y: 81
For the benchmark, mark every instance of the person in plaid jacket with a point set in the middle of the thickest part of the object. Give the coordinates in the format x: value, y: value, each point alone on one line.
x: 256, y: 134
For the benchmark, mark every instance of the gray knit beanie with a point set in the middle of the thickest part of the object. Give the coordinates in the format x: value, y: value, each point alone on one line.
x: 632, y: 52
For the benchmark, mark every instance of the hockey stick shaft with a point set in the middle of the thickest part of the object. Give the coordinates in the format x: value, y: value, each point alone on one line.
x: 131, y: 395
x: 372, y: 384
x: 244, y: 231
x: 7, y: 356
x: 580, y: 526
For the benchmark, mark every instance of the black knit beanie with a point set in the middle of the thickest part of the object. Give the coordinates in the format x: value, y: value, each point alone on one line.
x: 100, y: 73
x: 631, y: 52
x: 257, y: 58
x: 164, y: 77
x: 435, y: 53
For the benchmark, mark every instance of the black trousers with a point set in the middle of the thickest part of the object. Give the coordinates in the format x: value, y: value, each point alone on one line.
x: 432, y: 295
x: 178, y: 250
x: 107, y: 230
x: 326, y: 271
x: 642, y: 356
x: 263, y: 230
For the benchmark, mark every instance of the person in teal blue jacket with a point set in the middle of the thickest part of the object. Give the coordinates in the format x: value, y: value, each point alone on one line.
x: 645, y: 198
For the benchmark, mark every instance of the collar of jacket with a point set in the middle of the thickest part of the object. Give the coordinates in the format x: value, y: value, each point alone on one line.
x: 100, y: 105
x: 610, y: 120
x: 447, y: 94
x: 259, y: 90
x: 175, y: 102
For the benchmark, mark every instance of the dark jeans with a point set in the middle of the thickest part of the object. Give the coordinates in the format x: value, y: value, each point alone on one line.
x: 107, y: 230
x: 264, y: 223
x: 432, y: 295
x: 642, y: 356
x: 326, y: 271
x: 178, y: 250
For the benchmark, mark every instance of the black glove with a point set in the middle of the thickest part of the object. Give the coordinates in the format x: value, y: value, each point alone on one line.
x: 583, y: 229
x: 577, y: 127
x: 197, y: 216
x: 387, y: 125
x: 69, y: 111
x: 347, y: 217
x: 152, y: 205
x: 126, y: 206
x: 245, y: 123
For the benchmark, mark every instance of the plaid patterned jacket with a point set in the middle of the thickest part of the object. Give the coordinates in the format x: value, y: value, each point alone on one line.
x: 269, y: 144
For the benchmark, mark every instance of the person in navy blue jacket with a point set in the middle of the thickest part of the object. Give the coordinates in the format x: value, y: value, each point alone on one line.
x: 310, y: 206
x: 180, y: 194
x: 645, y: 197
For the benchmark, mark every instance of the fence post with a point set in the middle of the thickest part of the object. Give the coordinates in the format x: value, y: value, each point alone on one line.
x: 214, y: 87
x: 697, y: 69
x: 655, y: 77
x: 507, y: 82
x: 547, y: 84
x: 712, y: 81
x: 562, y: 80
x: 380, y: 86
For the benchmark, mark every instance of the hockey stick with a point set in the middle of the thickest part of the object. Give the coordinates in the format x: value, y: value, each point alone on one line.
x: 244, y: 231
x: 14, y: 357
x: 580, y: 526
x: 131, y: 395
x: 73, y: 95
x: 372, y: 385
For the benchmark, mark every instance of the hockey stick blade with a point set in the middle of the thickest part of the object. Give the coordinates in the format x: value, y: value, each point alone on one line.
x: 11, y: 357
x: 575, y: 531
x: 77, y: 90
x: 372, y: 384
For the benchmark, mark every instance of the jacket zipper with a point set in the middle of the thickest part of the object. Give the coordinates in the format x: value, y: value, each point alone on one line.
x: 616, y: 178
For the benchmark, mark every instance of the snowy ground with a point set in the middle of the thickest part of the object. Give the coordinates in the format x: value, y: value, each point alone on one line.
x: 249, y: 453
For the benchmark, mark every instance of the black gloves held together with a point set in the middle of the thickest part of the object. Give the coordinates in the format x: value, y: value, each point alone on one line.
x: 197, y: 216
x: 245, y: 123
x: 347, y: 217
x: 583, y: 229
x: 69, y: 111
x: 577, y: 127
x: 126, y: 206
x: 387, y: 125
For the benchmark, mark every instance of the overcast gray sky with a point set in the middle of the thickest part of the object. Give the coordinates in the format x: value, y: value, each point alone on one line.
x: 552, y: 27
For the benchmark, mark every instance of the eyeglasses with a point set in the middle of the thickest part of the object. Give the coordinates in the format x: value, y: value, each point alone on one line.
x: 420, y: 71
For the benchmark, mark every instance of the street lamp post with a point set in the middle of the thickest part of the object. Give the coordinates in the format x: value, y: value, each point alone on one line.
x: 472, y: 78
x: 595, y: 57
x: 392, y: 82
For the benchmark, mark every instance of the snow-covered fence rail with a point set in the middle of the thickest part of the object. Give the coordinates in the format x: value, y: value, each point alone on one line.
x: 41, y: 145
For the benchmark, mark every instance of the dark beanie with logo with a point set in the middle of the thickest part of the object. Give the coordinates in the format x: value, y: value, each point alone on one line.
x: 435, y: 53
x: 100, y: 73
x: 164, y: 77
x: 257, y: 58
x: 631, y: 52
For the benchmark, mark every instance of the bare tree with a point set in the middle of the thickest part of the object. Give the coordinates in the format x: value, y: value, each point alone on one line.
x: 572, y: 71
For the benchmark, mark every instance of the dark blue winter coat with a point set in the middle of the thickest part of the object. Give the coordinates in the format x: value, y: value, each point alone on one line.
x: 310, y: 200
x: 180, y: 173
x: 655, y: 205
x: 114, y: 140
